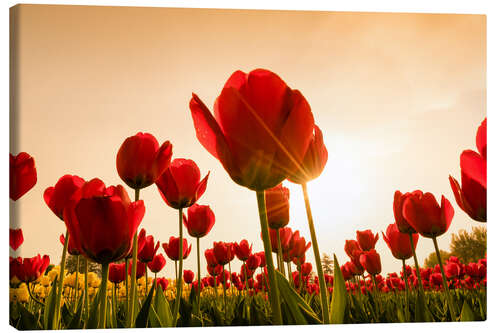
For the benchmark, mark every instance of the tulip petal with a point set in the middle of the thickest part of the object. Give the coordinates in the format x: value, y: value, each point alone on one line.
x: 474, y: 166
x: 481, y: 139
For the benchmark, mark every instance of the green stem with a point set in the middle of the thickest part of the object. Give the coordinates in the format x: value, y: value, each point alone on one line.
x: 62, y: 266
x: 126, y: 286
x: 103, y: 301
x: 76, y: 282
x: 86, y: 290
x: 146, y: 279
x: 199, y: 272
x: 133, y: 282
x: 280, y: 252
x: 317, y: 258
x: 31, y: 295
x: 245, y: 275
x: 224, y: 286
x: 273, y: 292
x: 290, y: 273
x: 451, y: 305
x: 407, y: 309
x: 178, y: 294
x: 417, y: 268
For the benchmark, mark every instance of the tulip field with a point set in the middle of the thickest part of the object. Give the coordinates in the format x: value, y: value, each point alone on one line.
x: 262, y: 132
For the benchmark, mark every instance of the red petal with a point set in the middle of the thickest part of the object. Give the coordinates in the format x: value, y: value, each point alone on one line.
x: 481, y: 139
x: 474, y: 166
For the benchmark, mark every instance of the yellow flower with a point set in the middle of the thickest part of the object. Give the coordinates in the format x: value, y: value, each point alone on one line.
x: 15, y: 280
x: 22, y: 294
x: 45, y: 281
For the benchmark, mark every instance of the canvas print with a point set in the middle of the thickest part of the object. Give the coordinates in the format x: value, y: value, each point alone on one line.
x: 182, y: 167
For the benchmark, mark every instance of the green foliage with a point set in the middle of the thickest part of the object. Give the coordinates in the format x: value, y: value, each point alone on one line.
x: 432, y: 260
x: 71, y: 265
x: 469, y: 247
x: 327, y: 264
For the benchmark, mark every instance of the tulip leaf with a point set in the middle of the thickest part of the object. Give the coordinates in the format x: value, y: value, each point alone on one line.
x: 76, y: 322
x: 93, y: 320
x: 142, y: 317
x: 50, y: 307
x: 467, y: 314
x: 28, y: 320
x: 339, y: 299
x: 162, y: 308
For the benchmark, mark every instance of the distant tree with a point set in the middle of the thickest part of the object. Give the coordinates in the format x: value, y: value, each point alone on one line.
x: 71, y: 265
x: 469, y: 247
x: 432, y: 261
x: 327, y: 264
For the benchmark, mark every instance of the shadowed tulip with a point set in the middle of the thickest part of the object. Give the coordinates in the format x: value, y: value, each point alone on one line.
x: 22, y: 174
x: 188, y: 276
x: 200, y: 220
x: 116, y: 272
x: 172, y: 248
x: 15, y: 238
x: 223, y: 252
x: 72, y: 249
x: 157, y: 263
x: 210, y: 257
x: 29, y: 269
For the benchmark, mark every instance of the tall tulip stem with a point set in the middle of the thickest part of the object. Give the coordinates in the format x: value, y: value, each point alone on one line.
x: 76, y: 282
x: 133, y: 282
x: 417, y: 268
x: 317, y: 258
x: 178, y: 293
x: 103, y: 301
x: 407, y: 308
x: 273, y: 290
x: 281, y: 267
x: 62, y: 266
x: 199, y: 272
x: 451, y: 305
x: 86, y: 290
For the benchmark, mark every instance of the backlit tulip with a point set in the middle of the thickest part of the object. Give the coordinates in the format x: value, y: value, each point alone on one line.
x: 261, y: 130
x: 180, y: 184
x: 399, y: 199
x: 366, y: 239
x: 214, y: 270
x: 398, y: 242
x: 58, y: 196
x: 15, y: 238
x: 243, y: 250
x: 314, y: 160
x: 277, y: 206
x: 426, y: 216
x: 172, y: 248
x: 285, y: 236
x: 253, y: 262
x: 30, y: 269
x: 188, y: 276
x: 200, y: 220
x: 370, y: 260
x: 140, y: 160
x: 102, y: 221
x: 116, y: 272
x: 481, y: 139
x: 300, y: 248
x: 222, y: 252
x: 149, y: 249
x: 157, y: 263
x: 351, y: 246
x: 22, y: 174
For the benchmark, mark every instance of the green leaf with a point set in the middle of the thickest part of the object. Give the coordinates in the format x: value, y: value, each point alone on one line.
x: 28, y: 320
x: 162, y: 308
x: 76, y: 322
x: 339, y: 299
x: 93, y: 320
x: 142, y: 317
x: 467, y: 314
x: 50, y: 307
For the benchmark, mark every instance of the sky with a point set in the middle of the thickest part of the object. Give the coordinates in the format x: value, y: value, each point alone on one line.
x: 397, y: 96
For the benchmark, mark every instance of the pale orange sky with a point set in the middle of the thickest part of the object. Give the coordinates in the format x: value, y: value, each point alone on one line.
x: 398, y: 97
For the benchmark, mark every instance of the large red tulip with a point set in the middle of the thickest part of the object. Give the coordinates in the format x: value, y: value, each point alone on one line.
x: 243, y: 250
x: 261, y: 129
x: 277, y: 206
x: 58, y: 196
x: 314, y: 160
x: 481, y: 139
x: 366, y: 239
x: 370, y: 260
x: 399, y: 199
x: 172, y: 248
x: 223, y: 252
x: 15, y: 238
x: 149, y: 249
x: 398, y: 242
x: 30, y: 269
x: 116, y: 272
x: 22, y: 174
x: 157, y: 263
x: 180, y: 184
x: 102, y: 221
x: 140, y: 160
x: 426, y: 216
x: 200, y: 220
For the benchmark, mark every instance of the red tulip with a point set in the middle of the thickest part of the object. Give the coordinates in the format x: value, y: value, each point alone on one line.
x: 157, y: 263
x: 116, y: 272
x: 277, y: 206
x: 140, y: 160
x: 172, y: 248
x: 425, y: 215
x: 242, y: 250
x: 253, y: 262
x: 149, y: 249
x: 214, y: 270
x: 356, y: 267
x: 188, y: 276
x: 200, y: 220
x: 222, y: 252
x: 314, y: 160
x: 140, y: 270
x: 261, y: 130
x: 452, y: 270
x: 30, y: 269
x: 58, y: 196
x: 22, y: 174
x: 163, y: 282
x: 471, y: 197
x: 306, y: 268
x: 399, y: 199
x: 351, y: 246
x: 436, y: 280
x: 366, y: 239
x: 346, y: 272
x: 102, y: 221
x: 15, y: 238
x: 180, y: 184
x: 285, y: 236
x: 370, y: 260
x: 262, y: 256
x: 210, y: 257
x: 399, y: 243
x: 71, y: 245
x: 481, y: 139
x: 300, y: 248
x: 14, y: 264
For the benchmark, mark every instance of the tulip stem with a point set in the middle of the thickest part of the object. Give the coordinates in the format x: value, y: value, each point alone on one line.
x: 199, y: 272
x: 146, y: 280
x: 126, y: 285
x: 451, y: 306
x: 76, y: 282
x: 407, y: 309
x: 133, y: 282
x: 273, y: 291
x: 417, y: 268
x: 290, y: 273
x: 279, y: 255
x: 62, y: 266
x: 178, y: 294
x: 103, y: 302
x: 317, y: 258
x: 31, y: 295
x: 86, y: 290
x: 224, y: 286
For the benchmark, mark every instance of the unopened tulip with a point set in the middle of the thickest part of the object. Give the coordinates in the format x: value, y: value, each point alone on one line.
x: 200, y: 220
x: 243, y: 250
x: 22, y: 174
x: 222, y: 252
x: 370, y: 260
x: 116, y: 272
x: 366, y: 239
x: 277, y: 206
x: 398, y: 242
x: 188, y: 276
x: 157, y: 263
